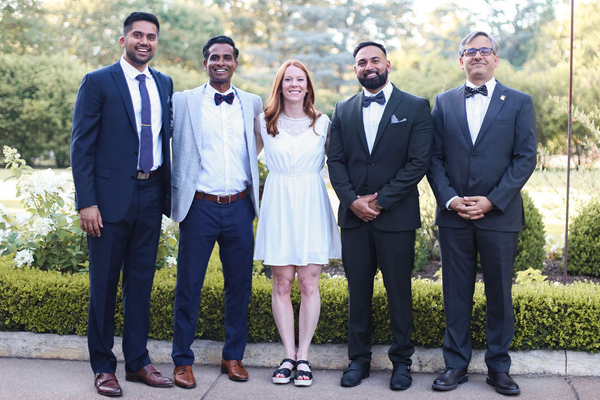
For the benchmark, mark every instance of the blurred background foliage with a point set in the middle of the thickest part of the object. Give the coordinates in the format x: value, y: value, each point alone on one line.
x: 46, y: 46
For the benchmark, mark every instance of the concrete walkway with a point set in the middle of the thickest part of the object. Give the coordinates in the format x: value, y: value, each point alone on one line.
x: 43, y: 366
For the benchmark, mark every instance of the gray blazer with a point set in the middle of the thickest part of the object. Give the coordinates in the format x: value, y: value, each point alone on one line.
x: 187, y: 132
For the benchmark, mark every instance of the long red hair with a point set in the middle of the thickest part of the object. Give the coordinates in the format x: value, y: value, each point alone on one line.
x: 274, y: 106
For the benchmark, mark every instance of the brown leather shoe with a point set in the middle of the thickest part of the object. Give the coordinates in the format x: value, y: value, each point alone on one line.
x: 184, y: 377
x: 107, y: 385
x: 150, y: 376
x: 234, y: 369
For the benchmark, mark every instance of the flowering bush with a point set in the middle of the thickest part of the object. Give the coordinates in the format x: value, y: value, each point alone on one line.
x: 46, y: 235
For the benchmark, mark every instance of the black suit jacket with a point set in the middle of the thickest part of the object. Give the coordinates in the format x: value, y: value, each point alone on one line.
x: 105, y: 143
x: 398, y: 161
x: 497, y: 165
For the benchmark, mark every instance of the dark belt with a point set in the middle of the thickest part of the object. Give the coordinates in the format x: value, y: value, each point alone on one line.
x: 141, y: 175
x: 222, y: 198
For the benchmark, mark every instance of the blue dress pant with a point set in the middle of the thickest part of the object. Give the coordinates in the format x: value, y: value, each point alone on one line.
x: 497, y: 250
x: 130, y: 246
x: 229, y: 225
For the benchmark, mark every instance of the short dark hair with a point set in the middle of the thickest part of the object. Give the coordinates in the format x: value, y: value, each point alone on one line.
x: 366, y: 44
x: 220, y: 39
x: 139, y: 16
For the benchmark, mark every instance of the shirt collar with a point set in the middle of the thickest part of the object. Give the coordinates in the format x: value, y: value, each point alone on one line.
x: 211, y: 90
x: 491, y: 84
x: 387, y: 91
x: 131, y: 72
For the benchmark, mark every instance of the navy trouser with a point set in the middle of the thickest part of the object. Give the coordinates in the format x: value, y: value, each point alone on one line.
x: 229, y: 225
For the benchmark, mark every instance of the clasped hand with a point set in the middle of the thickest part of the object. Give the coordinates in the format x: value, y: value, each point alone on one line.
x: 471, y: 208
x: 365, y: 207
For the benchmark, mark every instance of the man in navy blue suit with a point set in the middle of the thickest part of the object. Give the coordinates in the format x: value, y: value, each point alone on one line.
x: 121, y: 169
x: 484, y: 152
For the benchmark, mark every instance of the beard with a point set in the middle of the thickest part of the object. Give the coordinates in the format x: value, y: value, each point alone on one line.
x: 374, y: 83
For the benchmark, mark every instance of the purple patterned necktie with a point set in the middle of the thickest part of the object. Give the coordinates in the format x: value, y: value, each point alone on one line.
x: 146, y: 150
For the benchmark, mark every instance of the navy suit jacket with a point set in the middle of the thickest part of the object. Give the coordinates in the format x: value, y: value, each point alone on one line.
x: 398, y: 161
x: 105, y: 143
x: 496, y: 166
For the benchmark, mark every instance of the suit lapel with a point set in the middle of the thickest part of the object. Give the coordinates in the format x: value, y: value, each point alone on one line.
x: 248, y: 115
x: 458, y: 99
x: 195, y: 111
x: 357, y: 110
x: 390, y: 107
x: 164, y: 99
x: 496, y: 104
x: 119, y: 77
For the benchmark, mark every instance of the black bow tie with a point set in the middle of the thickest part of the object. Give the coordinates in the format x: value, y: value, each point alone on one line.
x: 379, y: 99
x: 219, y: 98
x: 470, y: 92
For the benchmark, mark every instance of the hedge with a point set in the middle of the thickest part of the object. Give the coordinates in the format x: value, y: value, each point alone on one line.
x: 548, y: 315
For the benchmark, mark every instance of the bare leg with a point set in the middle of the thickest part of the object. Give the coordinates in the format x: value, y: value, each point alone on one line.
x: 310, y: 308
x: 283, y: 312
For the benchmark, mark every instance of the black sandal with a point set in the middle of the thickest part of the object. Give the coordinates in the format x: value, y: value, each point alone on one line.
x: 286, y: 372
x: 299, y: 373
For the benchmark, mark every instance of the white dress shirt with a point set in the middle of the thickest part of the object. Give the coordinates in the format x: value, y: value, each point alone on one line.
x: 477, y: 107
x: 224, y: 153
x: 134, y: 90
x: 372, y: 114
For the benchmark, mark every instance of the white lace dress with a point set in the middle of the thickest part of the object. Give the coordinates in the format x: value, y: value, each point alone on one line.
x: 296, y: 225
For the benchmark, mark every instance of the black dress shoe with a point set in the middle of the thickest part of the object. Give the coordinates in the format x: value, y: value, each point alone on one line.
x: 450, y: 379
x: 503, y: 383
x: 356, y: 372
x: 401, y: 379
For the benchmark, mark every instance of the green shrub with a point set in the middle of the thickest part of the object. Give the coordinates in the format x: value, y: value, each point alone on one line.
x: 548, y: 316
x: 532, y: 239
x: 584, y: 241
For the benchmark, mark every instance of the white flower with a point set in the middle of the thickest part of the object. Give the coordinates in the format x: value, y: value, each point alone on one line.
x: 169, y: 226
x: 23, y: 257
x: 10, y: 154
x: 42, y: 226
x: 22, y: 218
x: 171, y: 262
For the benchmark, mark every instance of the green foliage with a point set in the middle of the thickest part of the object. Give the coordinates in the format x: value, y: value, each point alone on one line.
x: 548, y: 316
x: 584, y: 241
x: 532, y: 238
x: 37, y: 104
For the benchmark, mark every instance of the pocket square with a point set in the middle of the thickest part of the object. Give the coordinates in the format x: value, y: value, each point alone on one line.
x: 395, y: 120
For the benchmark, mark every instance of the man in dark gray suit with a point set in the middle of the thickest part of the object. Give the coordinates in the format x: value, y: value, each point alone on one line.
x: 379, y: 151
x: 484, y: 152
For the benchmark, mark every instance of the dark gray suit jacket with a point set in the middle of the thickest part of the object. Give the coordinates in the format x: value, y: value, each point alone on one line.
x: 497, y: 165
x: 398, y: 161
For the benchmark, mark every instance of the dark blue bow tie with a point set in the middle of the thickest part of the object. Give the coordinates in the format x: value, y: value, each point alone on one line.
x: 379, y: 99
x: 219, y: 98
x: 470, y: 92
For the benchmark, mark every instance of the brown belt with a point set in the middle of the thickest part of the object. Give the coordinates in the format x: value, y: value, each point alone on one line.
x: 144, y: 176
x: 222, y: 198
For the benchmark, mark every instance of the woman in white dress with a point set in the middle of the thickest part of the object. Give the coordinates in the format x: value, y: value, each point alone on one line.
x: 297, y: 232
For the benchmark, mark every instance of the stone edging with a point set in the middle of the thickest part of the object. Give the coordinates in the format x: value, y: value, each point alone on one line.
x: 323, y: 356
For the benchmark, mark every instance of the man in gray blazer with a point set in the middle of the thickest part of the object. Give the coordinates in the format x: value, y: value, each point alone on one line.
x: 484, y: 152
x: 215, y: 199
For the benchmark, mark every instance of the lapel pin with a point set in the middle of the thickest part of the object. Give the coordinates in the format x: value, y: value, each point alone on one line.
x: 502, y: 97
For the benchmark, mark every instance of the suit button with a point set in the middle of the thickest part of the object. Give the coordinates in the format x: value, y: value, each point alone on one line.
x: 135, y: 153
x: 371, y: 165
x: 366, y: 188
x: 472, y: 179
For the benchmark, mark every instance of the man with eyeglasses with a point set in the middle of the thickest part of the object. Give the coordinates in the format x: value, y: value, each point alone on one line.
x: 484, y: 152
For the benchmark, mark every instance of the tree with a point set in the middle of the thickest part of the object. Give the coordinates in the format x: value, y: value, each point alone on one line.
x: 37, y: 104
x: 22, y: 27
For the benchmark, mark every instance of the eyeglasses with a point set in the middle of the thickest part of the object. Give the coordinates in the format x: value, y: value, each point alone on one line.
x: 484, y: 51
